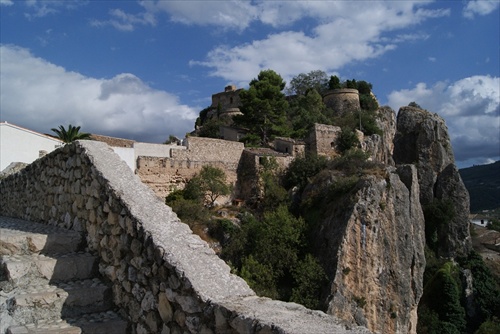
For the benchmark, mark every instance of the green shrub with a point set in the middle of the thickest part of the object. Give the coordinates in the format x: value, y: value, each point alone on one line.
x: 347, y: 140
x: 441, y: 299
x: 486, y: 290
x: 309, y: 279
x: 494, y: 225
x: 437, y: 214
x: 489, y: 327
x: 301, y: 170
x: 260, y: 277
x: 352, y: 162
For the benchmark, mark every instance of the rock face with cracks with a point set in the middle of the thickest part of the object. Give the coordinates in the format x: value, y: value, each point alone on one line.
x: 422, y: 139
x: 373, y: 251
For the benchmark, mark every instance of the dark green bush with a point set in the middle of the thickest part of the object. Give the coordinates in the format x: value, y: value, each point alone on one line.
x: 347, y: 140
x: 301, y: 170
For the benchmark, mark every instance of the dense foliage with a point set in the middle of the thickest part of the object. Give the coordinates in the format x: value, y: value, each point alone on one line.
x: 302, y: 83
x: 438, y: 215
x: 306, y: 110
x: 267, y: 113
x: 264, y: 107
x: 444, y: 307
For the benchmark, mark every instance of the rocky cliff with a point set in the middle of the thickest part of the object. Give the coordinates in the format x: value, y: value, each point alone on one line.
x: 372, y: 246
x: 381, y: 147
x: 422, y: 139
x: 372, y: 240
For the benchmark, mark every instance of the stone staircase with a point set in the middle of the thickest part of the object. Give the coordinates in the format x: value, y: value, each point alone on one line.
x: 49, y: 283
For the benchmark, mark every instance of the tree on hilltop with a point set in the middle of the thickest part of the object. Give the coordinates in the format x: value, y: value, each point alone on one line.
x: 71, y: 134
x: 302, y: 83
x: 264, y: 107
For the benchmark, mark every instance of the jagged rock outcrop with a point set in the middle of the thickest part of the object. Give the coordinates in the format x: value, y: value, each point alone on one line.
x: 422, y: 139
x: 372, y: 247
x: 380, y: 148
x: 454, y: 237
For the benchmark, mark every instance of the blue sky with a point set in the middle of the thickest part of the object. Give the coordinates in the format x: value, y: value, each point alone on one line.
x: 144, y: 69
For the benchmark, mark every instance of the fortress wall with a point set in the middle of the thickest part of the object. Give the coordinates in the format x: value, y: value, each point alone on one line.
x: 164, y: 278
x: 210, y: 149
x: 165, y: 174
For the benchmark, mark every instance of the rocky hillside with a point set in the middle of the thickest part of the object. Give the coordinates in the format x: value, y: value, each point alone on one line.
x: 483, y: 184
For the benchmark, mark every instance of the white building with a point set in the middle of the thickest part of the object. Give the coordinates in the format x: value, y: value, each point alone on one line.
x: 18, y: 144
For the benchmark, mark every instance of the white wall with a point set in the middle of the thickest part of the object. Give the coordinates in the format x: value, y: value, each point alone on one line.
x: 478, y: 222
x: 22, y: 145
x: 127, y: 154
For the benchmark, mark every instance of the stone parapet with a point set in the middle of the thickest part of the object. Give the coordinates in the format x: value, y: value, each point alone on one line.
x: 165, y: 279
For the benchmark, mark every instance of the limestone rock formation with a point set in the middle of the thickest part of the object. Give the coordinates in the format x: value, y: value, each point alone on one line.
x: 381, y: 147
x: 373, y: 252
x: 422, y: 139
x: 455, y: 237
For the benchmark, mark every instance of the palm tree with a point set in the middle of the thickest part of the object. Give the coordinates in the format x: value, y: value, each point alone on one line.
x: 73, y: 133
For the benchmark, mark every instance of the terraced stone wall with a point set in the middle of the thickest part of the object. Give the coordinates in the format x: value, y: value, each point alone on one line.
x: 165, y: 279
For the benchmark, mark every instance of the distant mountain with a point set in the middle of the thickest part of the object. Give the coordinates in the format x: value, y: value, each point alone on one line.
x: 483, y: 184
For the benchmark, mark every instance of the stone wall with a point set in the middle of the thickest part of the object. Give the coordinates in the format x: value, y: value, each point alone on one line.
x: 164, y: 278
x: 165, y: 174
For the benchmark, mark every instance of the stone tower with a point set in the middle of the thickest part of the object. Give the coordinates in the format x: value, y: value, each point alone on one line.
x: 342, y: 100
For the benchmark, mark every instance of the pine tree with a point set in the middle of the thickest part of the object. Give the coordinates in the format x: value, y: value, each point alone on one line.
x: 264, y: 107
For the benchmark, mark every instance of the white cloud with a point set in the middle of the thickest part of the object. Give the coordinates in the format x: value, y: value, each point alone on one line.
x: 6, y: 2
x: 471, y: 109
x: 39, y: 95
x: 337, y: 33
x: 480, y: 7
x: 228, y: 14
x: 41, y: 8
x: 125, y: 22
x: 342, y: 32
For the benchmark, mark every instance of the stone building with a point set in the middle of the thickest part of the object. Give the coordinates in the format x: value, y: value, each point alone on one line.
x: 294, y: 147
x: 227, y: 103
x: 323, y: 140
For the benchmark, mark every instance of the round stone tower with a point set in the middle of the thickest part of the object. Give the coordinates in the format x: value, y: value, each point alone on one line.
x: 342, y: 100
